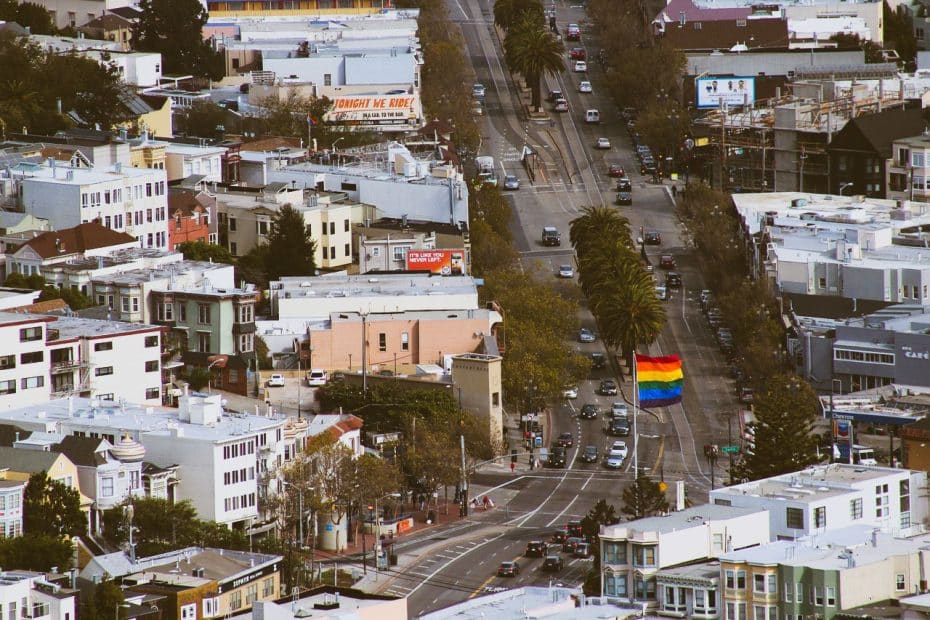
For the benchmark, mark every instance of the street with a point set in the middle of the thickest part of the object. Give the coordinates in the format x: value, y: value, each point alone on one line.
x: 531, y: 504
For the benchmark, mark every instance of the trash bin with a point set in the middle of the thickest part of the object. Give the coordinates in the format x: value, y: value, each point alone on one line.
x: 431, y: 516
x: 392, y: 560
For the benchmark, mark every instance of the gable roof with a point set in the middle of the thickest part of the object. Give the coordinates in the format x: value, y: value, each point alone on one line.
x: 183, y: 200
x: 107, y: 21
x: 82, y: 450
x: 42, y: 307
x: 128, y: 12
x: 27, y: 461
x: 875, y: 132
x: 75, y: 240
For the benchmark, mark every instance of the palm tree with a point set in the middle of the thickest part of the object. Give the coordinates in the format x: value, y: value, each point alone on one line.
x: 598, y: 223
x: 510, y: 12
x: 533, y: 52
x: 629, y: 312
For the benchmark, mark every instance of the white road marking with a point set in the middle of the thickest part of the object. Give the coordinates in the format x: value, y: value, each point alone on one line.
x: 441, y: 568
x: 564, y: 510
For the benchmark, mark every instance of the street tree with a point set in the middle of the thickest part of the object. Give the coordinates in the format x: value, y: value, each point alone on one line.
x: 426, y: 463
x: 508, y: 13
x: 782, y: 437
x: 663, y: 127
x: 333, y: 478
x: 643, y: 498
x: 290, y: 245
x: 596, y: 224
x: 174, y: 29
x: 533, y: 52
x: 202, y: 251
x: 38, y: 552
x: 601, y: 514
x: 52, y: 509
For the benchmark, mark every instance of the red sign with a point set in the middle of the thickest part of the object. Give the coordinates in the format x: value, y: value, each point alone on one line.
x: 445, y: 262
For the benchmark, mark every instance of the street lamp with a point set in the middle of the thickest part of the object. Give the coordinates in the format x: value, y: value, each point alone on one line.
x: 845, y: 186
x: 215, y: 360
x: 833, y: 383
x: 118, y: 607
x: 333, y: 147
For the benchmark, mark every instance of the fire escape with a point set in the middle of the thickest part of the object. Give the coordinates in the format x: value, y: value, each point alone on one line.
x: 70, y: 375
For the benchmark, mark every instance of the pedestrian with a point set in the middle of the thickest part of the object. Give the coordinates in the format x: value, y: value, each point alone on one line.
x: 513, y: 466
x: 674, y: 191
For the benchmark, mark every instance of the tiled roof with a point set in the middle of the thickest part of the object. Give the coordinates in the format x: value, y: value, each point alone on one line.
x: 183, y: 200
x: 42, y: 307
x: 82, y: 237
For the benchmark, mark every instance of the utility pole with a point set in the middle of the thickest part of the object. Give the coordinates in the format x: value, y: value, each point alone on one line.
x: 723, y: 142
x: 801, y: 179
x: 730, y: 443
x: 364, y: 354
x: 464, y: 510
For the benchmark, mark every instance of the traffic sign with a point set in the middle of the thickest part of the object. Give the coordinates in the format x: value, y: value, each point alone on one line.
x: 729, y: 449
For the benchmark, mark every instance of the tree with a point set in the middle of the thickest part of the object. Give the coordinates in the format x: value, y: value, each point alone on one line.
x: 507, y: 13
x: 174, y: 28
x: 75, y: 299
x: 643, y: 498
x: 532, y: 51
x: 782, y: 440
x: 290, y: 245
x: 852, y: 41
x: 38, y: 552
x: 899, y: 33
x: 596, y: 223
x: 52, y: 509
x: 199, y: 250
x: 600, y: 515
x: 253, y: 267
x: 204, y: 119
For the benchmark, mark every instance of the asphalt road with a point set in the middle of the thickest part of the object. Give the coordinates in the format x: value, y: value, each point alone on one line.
x: 455, y: 566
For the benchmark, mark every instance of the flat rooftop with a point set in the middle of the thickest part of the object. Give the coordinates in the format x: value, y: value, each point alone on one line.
x: 705, y: 570
x: 59, y: 174
x: 218, y: 564
x: 812, y: 484
x: 555, y: 603
x: 684, y: 519
x: 70, y: 327
x: 381, y: 285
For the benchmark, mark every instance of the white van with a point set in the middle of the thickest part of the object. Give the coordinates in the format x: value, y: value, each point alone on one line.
x: 592, y: 116
x: 317, y: 377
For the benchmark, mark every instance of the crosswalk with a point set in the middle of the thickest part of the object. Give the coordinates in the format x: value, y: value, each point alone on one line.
x: 412, y: 577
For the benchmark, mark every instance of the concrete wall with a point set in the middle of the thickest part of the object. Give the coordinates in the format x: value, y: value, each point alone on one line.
x: 478, y: 380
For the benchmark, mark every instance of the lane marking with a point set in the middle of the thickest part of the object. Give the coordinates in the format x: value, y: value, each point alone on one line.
x: 564, y: 510
x: 443, y: 567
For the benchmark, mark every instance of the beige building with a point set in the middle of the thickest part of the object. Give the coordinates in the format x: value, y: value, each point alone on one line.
x: 477, y: 381
x: 245, y: 220
x: 145, y: 153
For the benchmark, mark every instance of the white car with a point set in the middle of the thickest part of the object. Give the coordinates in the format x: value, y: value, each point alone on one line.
x: 276, y: 380
x: 317, y: 377
x: 662, y: 293
x: 566, y: 271
x: 603, y: 143
x: 619, y: 410
x: 619, y: 447
x: 585, y: 87
x: 570, y: 393
x: 615, y: 459
x: 581, y: 66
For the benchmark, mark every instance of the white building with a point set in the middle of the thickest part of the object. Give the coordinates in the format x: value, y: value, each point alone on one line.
x: 47, y: 357
x: 35, y: 598
x: 825, y: 497
x: 66, y: 245
x: 837, y: 246
x: 377, y: 61
x: 552, y: 603
x: 632, y: 553
x: 184, y: 160
x: 11, y: 502
x: 319, y: 297
x: 142, y: 69
x: 131, y: 200
x: 221, y: 457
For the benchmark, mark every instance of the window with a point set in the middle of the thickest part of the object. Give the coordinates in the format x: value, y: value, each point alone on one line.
x: 203, y: 342
x: 736, y: 579
x: 818, y: 595
x: 899, y: 582
x: 246, y: 343
x: 674, y: 599
x: 822, y: 282
x: 32, y: 357
x: 849, y: 355
x: 705, y: 601
x: 152, y: 393
x: 325, y: 253
x: 203, y: 314
x: 28, y: 334
x: 103, y: 371
x: 152, y: 341
x: 189, y: 612
x: 917, y: 159
x: 103, y: 346
x: 7, y: 361
x: 106, y: 486
x: 347, y: 249
x: 772, y: 583
x: 327, y: 79
x: 232, y: 224
x: 794, y: 518
x: 758, y: 583
x: 904, y: 503
x: 736, y: 611
x: 400, y: 252
x: 644, y: 589
x: 404, y: 341
x: 261, y: 227
x: 789, y: 592
x: 644, y: 555
x: 345, y: 225
x: 820, y: 516
x: 882, y: 508
x: 855, y: 509
x: 614, y: 552
x: 348, y: 187
x: 246, y: 313
x: 382, y: 341
x: 27, y: 383
x: 182, y: 312
x: 235, y: 597
x: 615, y: 585
x: 151, y: 366
x: 831, y: 596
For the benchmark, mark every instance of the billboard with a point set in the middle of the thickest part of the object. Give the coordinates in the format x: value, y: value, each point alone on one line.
x: 711, y: 91
x: 375, y: 110
x: 445, y: 262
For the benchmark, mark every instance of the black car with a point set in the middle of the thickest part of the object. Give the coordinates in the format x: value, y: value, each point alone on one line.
x: 552, y: 564
x: 653, y: 238
x: 559, y: 536
x: 608, y: 387
x: 624, y: 184
x: 619, y: 427
x: 535, y: 549
x: 571, y: 542
x: 566, y: 440
x: 598, y: 361
x: 589, y: 455
x: 508, y: 569
x: 673, y: 279
x: 556, y: 459
x: 624, y: 198
x: 589, y: 411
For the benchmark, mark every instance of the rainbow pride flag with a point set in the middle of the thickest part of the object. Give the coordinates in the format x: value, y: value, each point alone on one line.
x: 658, y: 380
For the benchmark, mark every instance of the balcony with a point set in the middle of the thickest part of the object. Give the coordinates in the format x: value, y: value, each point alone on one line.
x: 66, y: 365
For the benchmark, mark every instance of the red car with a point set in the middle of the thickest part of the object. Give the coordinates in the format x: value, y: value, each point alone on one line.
x: 667, y: 262
x: 578, y: 53
x: 615, y: 170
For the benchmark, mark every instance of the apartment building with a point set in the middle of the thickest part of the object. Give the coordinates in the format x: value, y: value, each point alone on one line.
x: 197, y: 582
x: 62, y: 246
x: 826, y: 497
x: 383, y: 245
x: 184, y: 160
x: 190, y: 214
x: 633, y: 553
x: 222, y: 458
x: 121, y: 198
x: 908, y: 169
x: 28, y: 595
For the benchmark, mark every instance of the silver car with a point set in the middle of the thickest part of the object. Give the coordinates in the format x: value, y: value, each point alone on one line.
x: 511, y: 182
x: 586, y: 335
x: 566, y: 271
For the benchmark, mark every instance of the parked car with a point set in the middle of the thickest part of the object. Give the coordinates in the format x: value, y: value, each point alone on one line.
x: 581, y: 66
x: 618, y: 427
x: 585, y: 87
x: 511, y: 182
x: 624, y: 198
x: 317, y: 377
x: 535, y: 549
x: 566, y: 440
x: 275, y: 380
x: 667, y: 262
x: 589, y: 411
x: 552, y: 564
x: 586, y: 335
x: 589, y: 455
x: 508, y: 569
x: 603, y: 143
x: 615, y: 171
x: 653, y: 238
x: 598, y: 361
x: 619, y: 410
x: 746, y: 395
x: 673, y: 279
x: 608, y: 387
x: 566, y: 271
x: 570, y: 393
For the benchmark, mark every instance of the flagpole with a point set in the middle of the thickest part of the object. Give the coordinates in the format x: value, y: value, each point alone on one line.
x: 635, y: 415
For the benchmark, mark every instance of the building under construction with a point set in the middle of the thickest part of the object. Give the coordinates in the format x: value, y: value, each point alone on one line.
x: 782, y: 144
